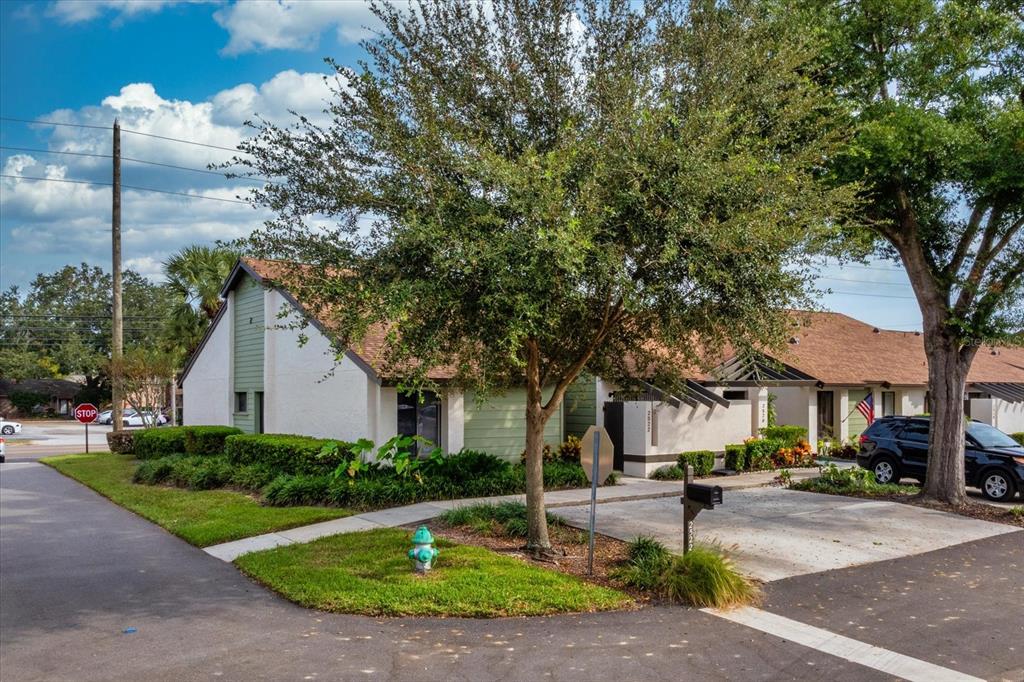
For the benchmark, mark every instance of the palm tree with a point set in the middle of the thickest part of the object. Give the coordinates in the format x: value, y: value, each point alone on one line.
x: 195, y: 275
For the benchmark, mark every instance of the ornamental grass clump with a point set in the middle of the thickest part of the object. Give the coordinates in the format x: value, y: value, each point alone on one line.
x: 703, y: 577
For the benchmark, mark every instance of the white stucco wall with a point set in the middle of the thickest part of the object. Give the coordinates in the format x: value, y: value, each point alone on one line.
x: 206, y: 391
x: 306, y: 390
x: 911, y: 401
x: 1008, y: 417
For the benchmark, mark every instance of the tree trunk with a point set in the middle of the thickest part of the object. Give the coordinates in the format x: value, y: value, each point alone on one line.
x: 537, y: 540
x: 947, y: 377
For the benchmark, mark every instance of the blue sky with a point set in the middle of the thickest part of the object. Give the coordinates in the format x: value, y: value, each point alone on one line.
x: 193, y: 70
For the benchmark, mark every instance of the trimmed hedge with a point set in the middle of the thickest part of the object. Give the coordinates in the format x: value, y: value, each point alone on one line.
x: 669, y: 472
x: 702, y: 461
x: 736, y: 457
x: 1019, y: 437
x: 759, y: 453
x: 788, y: 434
x: 160, y: 441
x: 207, y: 440
x: 284, y: 453
x: 121, y: 442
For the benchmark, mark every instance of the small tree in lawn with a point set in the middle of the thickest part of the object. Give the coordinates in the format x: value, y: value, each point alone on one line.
x: 936, y: 91
x: 555, y: 187
x: 146, y: 374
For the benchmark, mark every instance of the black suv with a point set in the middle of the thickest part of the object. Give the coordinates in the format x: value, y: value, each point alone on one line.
x: 897, y: 447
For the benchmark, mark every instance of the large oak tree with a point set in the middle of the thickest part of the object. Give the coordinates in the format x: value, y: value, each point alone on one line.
x: 524, y: 191
x: 935, y: 90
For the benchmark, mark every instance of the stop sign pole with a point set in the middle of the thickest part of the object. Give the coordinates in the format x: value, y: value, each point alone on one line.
x: 86, y: 413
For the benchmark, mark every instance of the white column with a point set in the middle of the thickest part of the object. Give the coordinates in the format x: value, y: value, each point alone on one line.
x: 876, y: 396
x: 812, y: 416
x: 842, y: 405
x: 758, y: 410
x: 454, y: 422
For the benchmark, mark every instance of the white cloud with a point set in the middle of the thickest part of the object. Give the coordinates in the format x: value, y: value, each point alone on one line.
x: 291, y: 24
x: 49, y: 224
x: 75, y: 11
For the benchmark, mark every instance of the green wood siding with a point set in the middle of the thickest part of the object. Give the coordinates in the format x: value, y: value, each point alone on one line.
x: 498, y: 426
x: 249, y: 328
x: 857, y: 422
x: 580, y: 406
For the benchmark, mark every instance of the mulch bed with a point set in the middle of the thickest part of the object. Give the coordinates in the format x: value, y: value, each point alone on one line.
x: 571, y: 555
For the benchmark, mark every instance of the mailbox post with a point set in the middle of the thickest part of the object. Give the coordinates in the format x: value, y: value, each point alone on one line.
x: 695, y: 498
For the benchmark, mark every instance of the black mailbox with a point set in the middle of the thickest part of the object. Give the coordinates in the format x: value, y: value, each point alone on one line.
x: 708, y: 495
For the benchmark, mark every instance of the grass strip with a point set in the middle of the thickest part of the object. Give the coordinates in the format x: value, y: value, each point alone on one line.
x: 200, y: 517
x: 369, y: 573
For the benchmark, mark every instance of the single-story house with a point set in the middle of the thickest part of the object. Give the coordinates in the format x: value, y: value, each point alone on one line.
x: 53, y: 396
x: 250, y: 371
x: 832, y: 362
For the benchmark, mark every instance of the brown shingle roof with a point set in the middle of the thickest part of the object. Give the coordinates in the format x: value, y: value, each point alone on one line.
x: 837, y: 349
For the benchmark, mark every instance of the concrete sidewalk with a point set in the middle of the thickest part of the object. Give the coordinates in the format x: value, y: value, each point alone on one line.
x: 628, y: 490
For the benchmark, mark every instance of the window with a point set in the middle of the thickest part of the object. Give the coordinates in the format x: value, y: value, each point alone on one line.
x: 888, y: 403
x: 734, y: 395
x: 241, y: 402
x: 420, y: 415
x: 916, y: 432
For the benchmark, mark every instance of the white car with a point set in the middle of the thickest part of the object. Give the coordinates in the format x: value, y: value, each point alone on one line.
x: 105, y: 417
x: 133, y: 418
x: 9, y: 428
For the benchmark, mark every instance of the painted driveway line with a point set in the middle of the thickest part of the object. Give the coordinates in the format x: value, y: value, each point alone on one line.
x: 774, y: 533
x: 883, y: 660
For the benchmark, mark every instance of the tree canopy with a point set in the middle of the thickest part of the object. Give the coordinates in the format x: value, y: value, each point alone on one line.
x: 526, y: 190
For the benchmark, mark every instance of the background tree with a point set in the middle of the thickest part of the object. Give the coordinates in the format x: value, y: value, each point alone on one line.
x: 555, y: 187
x: 935, y: 90
x: 146, y: 374
x: 63, y: 320
x: 194, y: 277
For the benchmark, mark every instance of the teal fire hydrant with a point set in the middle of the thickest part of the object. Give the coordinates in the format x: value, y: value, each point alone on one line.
x: 423, y: 551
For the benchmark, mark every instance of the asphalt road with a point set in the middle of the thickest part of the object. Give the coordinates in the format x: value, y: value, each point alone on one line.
x: 76, y: 571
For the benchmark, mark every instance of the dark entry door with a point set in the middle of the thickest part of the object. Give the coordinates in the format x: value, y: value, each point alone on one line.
x: 613, y: 425
x: 259, y: 411
x: 826, y: 414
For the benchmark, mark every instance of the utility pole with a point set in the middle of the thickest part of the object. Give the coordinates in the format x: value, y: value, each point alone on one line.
x: 117, y: 324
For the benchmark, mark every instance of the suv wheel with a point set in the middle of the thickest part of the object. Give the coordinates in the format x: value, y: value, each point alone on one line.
x: 997, y: 486
x: 8, y: 430
x: 886, y: 470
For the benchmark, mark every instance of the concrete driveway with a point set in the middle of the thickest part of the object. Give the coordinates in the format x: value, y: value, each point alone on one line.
x: 775, y: 533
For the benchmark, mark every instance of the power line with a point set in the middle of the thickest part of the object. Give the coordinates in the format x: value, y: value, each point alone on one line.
x: 124, y: 130
x: 135, y: 187
x: 865, y: 281
x: 858, y: 293
x: 148, y: 163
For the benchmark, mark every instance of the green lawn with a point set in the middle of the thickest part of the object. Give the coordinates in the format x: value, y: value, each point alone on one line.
x: 201, y: 517
x: 369, y: 573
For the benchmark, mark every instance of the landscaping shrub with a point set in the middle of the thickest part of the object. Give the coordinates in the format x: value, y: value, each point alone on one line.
x: 669, y: 472
x: 297, y: 489
x: 849, y: 481
x: 251, y: 476
x: 121, y: 442
x: 759, y: 453
x: 153, y: 471
x: 505, y: 518
x: 466, y: 465
x: 286, y: 454
x: 702, y: 461
x: 570, y: 449
x: 705, y: 577
x: 1019, y: 437
x: 702, y: 577
x: 160, y: 442
x: 209, y: 472
x: 736, y: 457
x: 207, y: 440
x: 789, y: 435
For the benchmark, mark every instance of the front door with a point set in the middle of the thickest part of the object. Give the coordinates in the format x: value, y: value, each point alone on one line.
x: 826, y: 414
x: 259, y: 412
x: 613, y: 425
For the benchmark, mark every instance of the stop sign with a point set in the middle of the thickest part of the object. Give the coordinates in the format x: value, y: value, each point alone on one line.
x: 86, y: 413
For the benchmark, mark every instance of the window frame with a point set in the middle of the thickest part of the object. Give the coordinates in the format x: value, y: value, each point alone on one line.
x: 241, y: 402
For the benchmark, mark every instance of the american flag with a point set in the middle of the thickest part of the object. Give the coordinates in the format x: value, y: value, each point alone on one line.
x: 867, y: 407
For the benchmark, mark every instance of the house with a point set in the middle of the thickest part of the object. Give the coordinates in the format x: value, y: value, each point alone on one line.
x: 54, y: 397
x: 250, y: 371
x: 832, y: 362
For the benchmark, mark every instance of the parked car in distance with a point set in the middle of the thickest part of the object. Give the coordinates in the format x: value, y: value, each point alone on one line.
x: 133, y: 418
x: 897, y: 447
x: 105, y: 417
x: 9, y: 428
